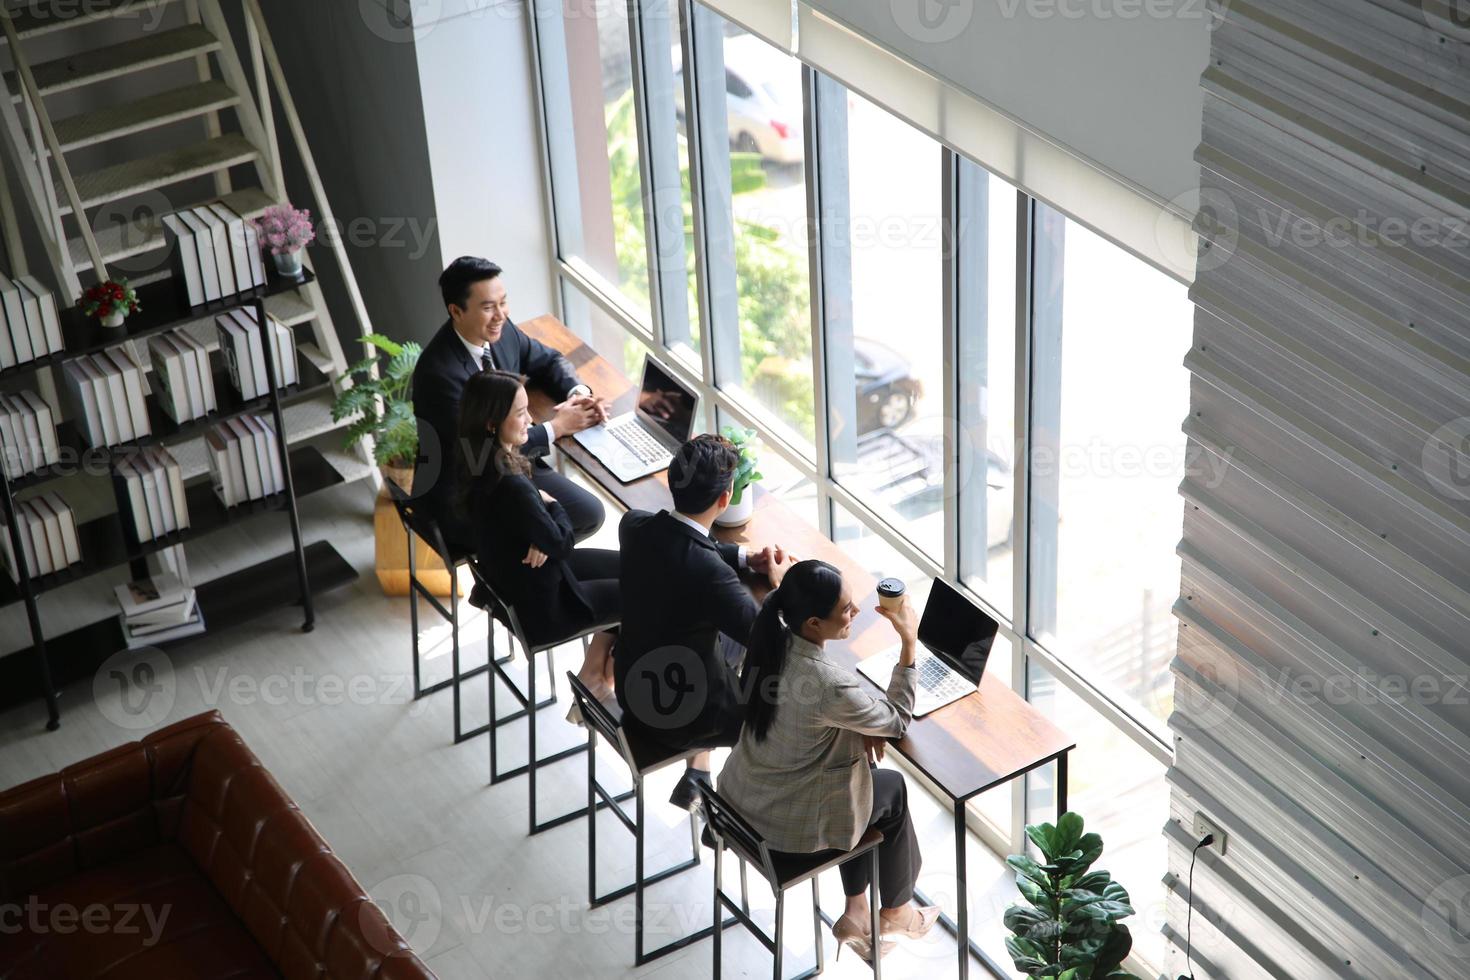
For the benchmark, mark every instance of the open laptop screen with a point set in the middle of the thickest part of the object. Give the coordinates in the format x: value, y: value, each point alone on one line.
x: 665, y: 402
x: 956, y: 629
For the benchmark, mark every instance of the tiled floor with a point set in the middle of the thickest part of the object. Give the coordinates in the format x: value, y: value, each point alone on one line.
x: 331, y: 714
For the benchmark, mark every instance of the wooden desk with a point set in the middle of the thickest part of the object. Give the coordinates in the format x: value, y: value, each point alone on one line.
x: 965, y: 748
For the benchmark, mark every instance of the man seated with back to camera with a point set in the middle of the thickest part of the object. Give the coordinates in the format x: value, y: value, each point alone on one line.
x: 479, y: 336
x: 686, y: 614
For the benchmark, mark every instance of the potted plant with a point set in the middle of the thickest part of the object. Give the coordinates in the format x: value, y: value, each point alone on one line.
x: 110, y: 302
x: 742, y: 498
x: 382, y: 405
x: 286, y: 231
x: 1070, y: 928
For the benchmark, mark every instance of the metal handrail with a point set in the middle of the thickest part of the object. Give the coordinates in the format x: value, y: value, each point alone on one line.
x: 33, y: 96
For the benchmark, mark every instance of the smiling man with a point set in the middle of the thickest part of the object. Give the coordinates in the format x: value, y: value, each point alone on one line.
x: 480, y: 336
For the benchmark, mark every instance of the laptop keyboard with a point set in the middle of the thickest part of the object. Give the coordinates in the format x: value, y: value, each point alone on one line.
x: 638, y: 442
x: 936, y: 677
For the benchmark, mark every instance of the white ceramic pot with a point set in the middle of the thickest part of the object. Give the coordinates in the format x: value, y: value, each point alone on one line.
x: 112, y: 320
x: 739, y: 514
x: 288, y: 264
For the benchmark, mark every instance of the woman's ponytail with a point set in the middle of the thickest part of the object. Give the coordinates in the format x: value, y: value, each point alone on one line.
x: 810, y: 588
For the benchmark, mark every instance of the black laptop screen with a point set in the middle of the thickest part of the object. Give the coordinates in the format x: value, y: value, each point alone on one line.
x: 956, y: 629
x: 664, y: 402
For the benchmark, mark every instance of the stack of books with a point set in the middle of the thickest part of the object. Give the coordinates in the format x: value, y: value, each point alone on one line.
x: 107, y: 397
x: 214, y: 252
x: 182, y: 378
x: 240, y: 340
x: 244, y: 460
x: 27, y: 434
x: 152, y: 483
x: 31, y: 327
x: 48, y: 537
x: 157, y: 609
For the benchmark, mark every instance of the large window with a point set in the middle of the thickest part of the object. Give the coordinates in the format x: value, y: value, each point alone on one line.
x: 950, y: 378
x: 1110, y: 393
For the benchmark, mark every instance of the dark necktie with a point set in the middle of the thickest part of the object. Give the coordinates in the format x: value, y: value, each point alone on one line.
x: 487, y: 363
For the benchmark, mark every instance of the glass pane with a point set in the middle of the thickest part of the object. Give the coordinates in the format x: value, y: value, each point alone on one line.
x: 987, y: 384
x: 788, y: 484
x: 1120, y: 791
x: 600, y: 216
x: 1110, y: 393
x: 768, y: 190
x: 892, y: 452
x: 665, y: 25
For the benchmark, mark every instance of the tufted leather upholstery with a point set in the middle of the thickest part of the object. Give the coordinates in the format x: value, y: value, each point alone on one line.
x: 192, y: 861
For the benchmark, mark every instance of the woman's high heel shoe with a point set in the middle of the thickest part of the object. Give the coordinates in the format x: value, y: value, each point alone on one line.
x: 919, y: 923
x: 574, y: 714
x: 848, y: 933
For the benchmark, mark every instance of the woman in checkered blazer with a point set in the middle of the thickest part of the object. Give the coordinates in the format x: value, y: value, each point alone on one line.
x: 804, y: 773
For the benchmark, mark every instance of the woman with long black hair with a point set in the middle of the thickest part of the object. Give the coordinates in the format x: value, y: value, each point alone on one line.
x: 802, y: 773
x: 525, y: 540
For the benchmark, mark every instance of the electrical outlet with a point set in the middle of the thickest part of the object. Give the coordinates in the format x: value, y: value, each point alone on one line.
x: 1204, y: 825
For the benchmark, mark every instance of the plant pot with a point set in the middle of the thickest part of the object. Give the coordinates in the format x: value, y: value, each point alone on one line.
x: 390, y: 547
x: 113, y: 320
x: 288, y: 264
x: 738, y: 515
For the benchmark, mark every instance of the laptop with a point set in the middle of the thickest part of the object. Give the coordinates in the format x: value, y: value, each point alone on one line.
x: 955, y: 637
x: 643, y: 441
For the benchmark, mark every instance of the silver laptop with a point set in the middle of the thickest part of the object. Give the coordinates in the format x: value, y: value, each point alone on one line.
x: 955, y: 637
x: 642, y: 441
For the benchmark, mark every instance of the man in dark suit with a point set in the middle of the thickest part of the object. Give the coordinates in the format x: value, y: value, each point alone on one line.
x: 686, y: 614
x: 478, y: 336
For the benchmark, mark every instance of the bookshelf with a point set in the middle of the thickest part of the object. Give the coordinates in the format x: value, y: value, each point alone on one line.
x: 106, y: 542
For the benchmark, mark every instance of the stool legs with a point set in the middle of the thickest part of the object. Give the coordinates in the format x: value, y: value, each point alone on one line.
x: 873, y: 918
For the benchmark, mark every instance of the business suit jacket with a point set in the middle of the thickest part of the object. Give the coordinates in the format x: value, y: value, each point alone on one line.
x: 807, y: 787
x: 438, y: 382
x: 680, y: 591
x: 510, y: 518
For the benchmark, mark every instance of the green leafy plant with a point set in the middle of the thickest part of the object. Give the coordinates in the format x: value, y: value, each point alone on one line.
x: 1070, y: 929
x: 747, y: 445
x: 382, y: 405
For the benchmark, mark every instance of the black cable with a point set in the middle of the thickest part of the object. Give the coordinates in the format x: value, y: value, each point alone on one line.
x: 1204, y: 841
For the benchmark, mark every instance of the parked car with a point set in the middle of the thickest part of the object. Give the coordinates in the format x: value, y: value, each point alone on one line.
x: 886, y: 391
x: 763, y: 102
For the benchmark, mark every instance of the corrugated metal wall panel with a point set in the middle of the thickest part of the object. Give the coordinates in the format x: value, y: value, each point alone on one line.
x: 1322, y: 713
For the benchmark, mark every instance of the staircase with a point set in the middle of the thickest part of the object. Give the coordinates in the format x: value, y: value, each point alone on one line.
x: 118, y: 111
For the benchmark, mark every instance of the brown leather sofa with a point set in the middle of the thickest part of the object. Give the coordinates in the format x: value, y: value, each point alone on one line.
x: 180, y: 856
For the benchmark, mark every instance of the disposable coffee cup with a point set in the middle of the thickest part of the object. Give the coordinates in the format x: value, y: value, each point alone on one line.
x: 890, y: 593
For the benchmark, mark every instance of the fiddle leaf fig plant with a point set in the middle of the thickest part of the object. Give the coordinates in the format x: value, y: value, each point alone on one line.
x: 747, y: 444
x: 382, y: 405
x: 1070, y: 930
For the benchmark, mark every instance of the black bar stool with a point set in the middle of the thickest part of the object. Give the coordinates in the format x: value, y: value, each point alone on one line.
x: 643, y: 759
x: 731, y: 830
x: 501, y: 610
x: 418, y: 523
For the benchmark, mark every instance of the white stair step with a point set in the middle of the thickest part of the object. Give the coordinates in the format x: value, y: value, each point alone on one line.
x: 348, y: 464
x: 114, y: 61
x: 36, y: 17
x: 118, y: 241
x: 161, y: 169
x: 174, y: 105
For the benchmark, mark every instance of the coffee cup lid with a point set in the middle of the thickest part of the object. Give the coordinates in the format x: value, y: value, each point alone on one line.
x: 891, y: 587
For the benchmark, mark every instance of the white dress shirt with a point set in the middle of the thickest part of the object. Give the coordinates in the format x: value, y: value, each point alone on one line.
x: 691, y: 522
x: 478, y: 351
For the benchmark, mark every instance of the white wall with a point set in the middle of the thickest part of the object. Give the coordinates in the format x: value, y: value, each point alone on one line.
x: 479, y: 104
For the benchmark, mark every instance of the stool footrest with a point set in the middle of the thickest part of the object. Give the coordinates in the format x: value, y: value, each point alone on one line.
x: 652, y: 879
x: 689, y: 940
